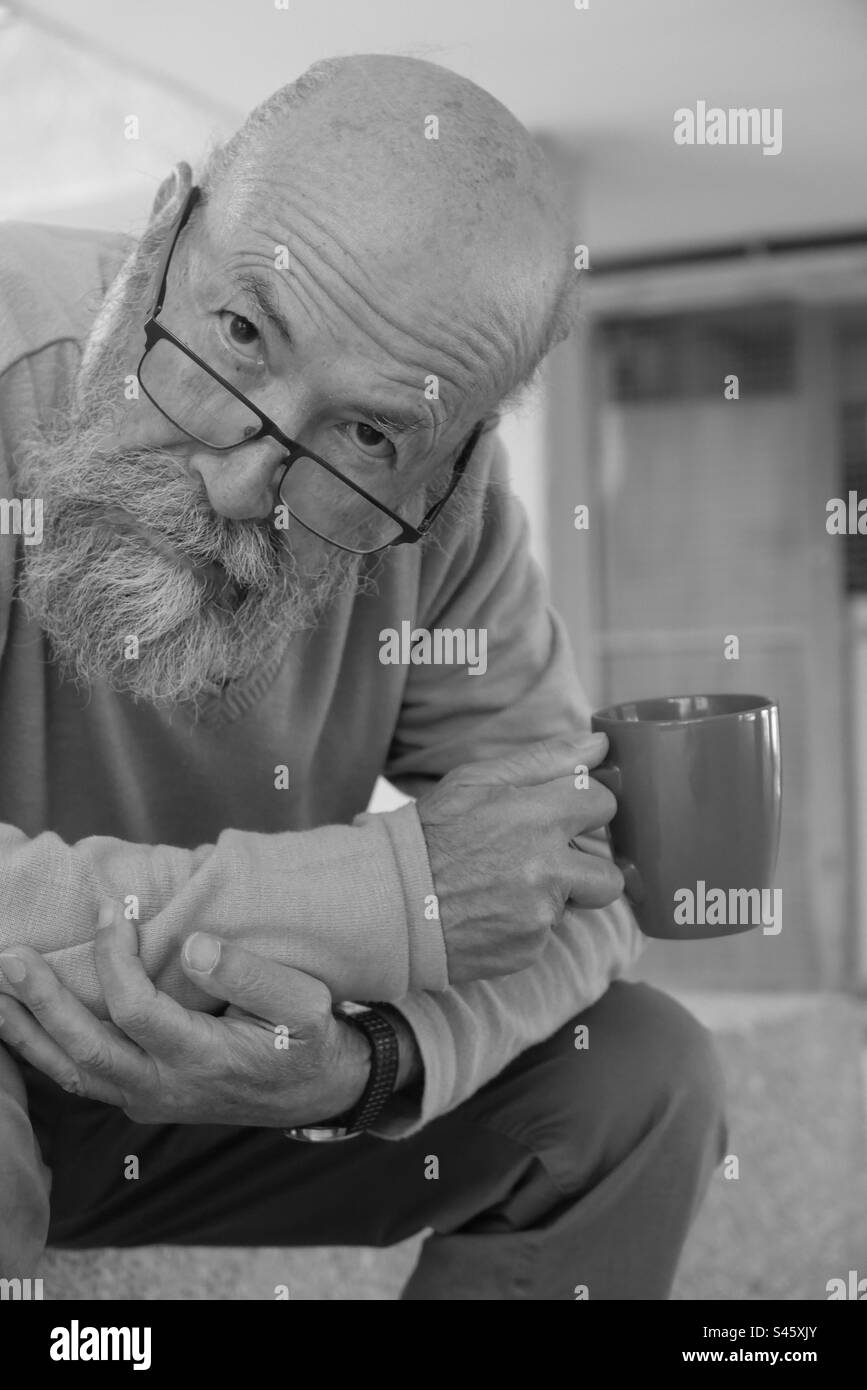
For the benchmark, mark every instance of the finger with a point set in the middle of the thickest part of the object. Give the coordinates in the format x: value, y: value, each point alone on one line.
x: 86, y: 1040
x: 593, y: 842
x: 19, y: 1030
x: 253, y: 983
x: 161, y: 1026
x: 537, y: 763
x: 590, y: 880
x: 575, y: 808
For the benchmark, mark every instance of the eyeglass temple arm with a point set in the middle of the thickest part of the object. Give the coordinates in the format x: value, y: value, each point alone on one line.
x: 457, y: 473
x: 183, y: 218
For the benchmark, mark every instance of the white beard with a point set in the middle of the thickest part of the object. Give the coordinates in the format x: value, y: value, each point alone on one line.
x: 157, y: 595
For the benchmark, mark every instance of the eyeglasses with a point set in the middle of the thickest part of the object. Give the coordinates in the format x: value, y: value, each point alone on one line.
x: 208, y: 408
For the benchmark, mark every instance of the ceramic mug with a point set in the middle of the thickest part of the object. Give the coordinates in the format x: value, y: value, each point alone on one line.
x: 698, y: 785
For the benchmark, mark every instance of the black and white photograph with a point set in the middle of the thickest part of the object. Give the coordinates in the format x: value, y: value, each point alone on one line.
x: 433, y: 666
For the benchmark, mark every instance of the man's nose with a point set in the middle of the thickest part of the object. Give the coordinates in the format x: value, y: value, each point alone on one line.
x: 241, y: 484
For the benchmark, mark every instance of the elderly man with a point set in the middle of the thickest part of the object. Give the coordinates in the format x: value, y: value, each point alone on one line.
x: 263, y: 445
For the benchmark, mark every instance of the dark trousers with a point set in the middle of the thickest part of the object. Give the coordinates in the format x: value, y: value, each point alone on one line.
x: 571, y: 1170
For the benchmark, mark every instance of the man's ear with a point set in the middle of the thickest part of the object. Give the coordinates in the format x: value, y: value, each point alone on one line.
x: 172, y: 193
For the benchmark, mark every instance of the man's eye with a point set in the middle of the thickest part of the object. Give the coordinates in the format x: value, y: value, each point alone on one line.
x: 372, y: 442
x: 240, y: 331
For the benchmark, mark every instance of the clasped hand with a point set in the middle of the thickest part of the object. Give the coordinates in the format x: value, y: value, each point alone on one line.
x: 277, y: 1057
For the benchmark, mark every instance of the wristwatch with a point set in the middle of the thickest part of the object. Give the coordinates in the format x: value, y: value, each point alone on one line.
x: 382, y: 1037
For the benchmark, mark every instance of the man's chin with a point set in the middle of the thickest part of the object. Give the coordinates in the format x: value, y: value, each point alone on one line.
x: 166, y: 646
x: 149, y: 678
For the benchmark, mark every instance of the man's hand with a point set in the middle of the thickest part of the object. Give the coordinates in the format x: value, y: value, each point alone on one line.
x: 277, y: 1057
x: 498, y: 837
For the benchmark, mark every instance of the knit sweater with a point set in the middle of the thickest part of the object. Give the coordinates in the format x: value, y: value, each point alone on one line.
x: 186, y: 818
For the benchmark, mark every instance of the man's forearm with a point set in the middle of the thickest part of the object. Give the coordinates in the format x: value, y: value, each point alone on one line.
x: 337, y: 903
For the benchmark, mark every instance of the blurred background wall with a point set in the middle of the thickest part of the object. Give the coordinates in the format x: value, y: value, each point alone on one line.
x: 707, y: 515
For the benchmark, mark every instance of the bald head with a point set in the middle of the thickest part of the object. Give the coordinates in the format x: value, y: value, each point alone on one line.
x: 427, y: 193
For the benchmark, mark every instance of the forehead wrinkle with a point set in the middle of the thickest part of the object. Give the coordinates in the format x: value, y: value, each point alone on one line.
x: 476, y: 347
x: 463, y: 350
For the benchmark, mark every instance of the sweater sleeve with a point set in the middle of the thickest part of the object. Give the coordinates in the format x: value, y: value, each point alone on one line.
x: 344, y: 903
x: 467, y: 1034
x: 529, y: 691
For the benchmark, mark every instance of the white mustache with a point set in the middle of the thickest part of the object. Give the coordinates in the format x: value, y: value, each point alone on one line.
x: 216, y: 583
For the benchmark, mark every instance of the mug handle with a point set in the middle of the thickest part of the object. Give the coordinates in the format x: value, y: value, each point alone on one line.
x: 608, y: 773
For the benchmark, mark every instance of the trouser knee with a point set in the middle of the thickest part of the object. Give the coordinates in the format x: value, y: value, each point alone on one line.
x: 634, y: 1063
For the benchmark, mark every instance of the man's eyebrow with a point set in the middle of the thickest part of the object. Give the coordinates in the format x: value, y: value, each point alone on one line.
x: 393, y: 420
x: 264, y: 297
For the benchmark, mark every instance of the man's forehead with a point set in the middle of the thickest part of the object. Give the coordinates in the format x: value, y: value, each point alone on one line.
x: 246, y: 257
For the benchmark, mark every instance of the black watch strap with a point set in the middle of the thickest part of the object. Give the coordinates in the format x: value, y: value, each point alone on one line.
x: 381, y: 1034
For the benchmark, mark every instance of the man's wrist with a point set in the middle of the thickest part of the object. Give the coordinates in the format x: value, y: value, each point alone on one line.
x: 353, y: 1061
x: 410, y: 1068
x: 351, y: 1067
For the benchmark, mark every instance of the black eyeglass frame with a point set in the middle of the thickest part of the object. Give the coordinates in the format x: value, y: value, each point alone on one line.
x: 155, y: 331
